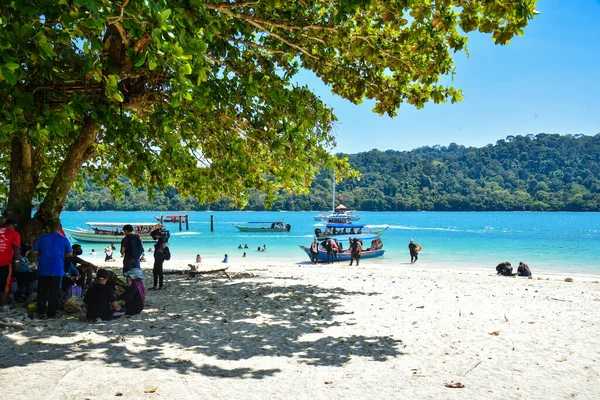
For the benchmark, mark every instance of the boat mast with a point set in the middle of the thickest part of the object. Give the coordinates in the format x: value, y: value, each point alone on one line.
x: 333, y: 198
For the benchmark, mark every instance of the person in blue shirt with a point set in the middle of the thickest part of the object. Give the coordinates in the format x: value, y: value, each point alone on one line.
x: 226, y: 259
x: 51, y: 248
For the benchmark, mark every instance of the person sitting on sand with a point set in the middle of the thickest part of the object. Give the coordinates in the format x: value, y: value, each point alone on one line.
x: 131, y: 294
x: 198, y: 259
x: 226, y: 259
x: 101, y: 302
x: 523, y: 269
x: 244, y: 255
x: 504, y: 269
x: 108, y: 254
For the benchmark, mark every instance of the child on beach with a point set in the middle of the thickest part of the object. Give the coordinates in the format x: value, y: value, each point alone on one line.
x: 226, y: 259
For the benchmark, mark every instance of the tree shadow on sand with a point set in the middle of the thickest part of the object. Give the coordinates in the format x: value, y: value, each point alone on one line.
x: 235, y: 320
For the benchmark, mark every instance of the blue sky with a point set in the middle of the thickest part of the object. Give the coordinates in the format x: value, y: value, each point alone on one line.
x: 546, y: 81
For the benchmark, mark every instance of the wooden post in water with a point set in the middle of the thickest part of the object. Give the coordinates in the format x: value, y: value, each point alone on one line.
x: 187, y: 222
x: 212, y: 223
x: 179, y: 218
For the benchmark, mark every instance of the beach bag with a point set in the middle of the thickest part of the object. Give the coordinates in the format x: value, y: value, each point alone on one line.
x: 74, y: 291
x: 167, y: 253
x: 72, y: 305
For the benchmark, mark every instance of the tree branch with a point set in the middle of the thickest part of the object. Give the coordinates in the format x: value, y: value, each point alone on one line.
x: 249, y: 18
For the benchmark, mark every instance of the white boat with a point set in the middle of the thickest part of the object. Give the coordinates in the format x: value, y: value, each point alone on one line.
x: 269, y: 226
x: 338, y: 214
x: 110, y: 232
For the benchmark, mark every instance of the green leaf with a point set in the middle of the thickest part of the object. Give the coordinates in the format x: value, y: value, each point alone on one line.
x: 166, y: 13
x: 141, y: 60
x: 10, y: 77
x: 11, y: 65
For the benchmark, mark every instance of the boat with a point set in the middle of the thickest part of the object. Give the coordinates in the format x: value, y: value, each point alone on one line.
x: 171, y: 218
x: 108, y: 232
x: 374, y: 250
x: 268, y: 226
x: 347, y: 229
x: 339, y: 213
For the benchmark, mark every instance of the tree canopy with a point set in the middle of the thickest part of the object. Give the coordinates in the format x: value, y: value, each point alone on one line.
x: 199, y: 94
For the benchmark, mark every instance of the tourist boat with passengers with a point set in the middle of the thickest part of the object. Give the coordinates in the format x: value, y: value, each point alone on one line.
x: 371, y: 244
x: 268, y: 226
x: 109, y: 232
x: 333, y: 229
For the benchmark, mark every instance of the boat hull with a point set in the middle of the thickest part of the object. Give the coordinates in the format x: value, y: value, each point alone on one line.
x: 255, y: 229
x: 327, y: 217
x: 345, y: 256
x: 90, y: 236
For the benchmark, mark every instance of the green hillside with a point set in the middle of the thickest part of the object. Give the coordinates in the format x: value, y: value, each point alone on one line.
x: 545, y: 172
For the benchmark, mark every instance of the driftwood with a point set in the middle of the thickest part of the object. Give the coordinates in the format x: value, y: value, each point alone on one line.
x: 193, y: 273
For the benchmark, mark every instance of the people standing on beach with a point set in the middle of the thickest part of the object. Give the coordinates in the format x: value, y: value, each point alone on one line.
x: 523, y: 269
x: 329, y: 250
x: 159, y: 259
x: 355, y: 251
x: 10, y: 241
x: 504, y: 269
x: 335, y: 249
x: 132, y: 249
x: 51, y: 249
x: 414, y: 254
x: 314, y: 252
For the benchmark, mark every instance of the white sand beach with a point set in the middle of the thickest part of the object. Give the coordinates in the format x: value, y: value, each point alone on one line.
x: 288, y: 331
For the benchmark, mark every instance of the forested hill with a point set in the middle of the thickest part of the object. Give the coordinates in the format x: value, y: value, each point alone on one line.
x: 535, y: 172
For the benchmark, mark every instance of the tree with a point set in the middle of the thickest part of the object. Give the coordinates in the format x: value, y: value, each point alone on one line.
x: 199, y: 94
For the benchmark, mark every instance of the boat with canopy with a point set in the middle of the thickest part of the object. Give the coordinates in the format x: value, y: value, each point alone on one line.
x: 371, y: 244
x: 347, y: 229
x: 265, y: 226
x: 108, y: 232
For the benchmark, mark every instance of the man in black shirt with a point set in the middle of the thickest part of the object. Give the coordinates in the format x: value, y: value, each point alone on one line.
x: 101, y: 301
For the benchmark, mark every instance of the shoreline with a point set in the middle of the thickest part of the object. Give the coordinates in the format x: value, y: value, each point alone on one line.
x: 182, y: 264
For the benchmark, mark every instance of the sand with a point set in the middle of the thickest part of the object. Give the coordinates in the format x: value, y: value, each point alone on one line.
x: 296, y: 331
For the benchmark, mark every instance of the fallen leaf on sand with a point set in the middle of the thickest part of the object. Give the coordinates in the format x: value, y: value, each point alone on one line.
x: 319, y: 330
x: 420, y: 306
x: 495, y: 333
x: 328, y: 382
x: 151, y: 390
x: 454, y: 385
x: 118, y: 394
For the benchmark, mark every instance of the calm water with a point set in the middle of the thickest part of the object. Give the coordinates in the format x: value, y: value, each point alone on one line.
x: 549, y: 242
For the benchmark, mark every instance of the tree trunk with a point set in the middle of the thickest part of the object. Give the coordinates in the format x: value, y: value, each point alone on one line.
x: 79, y: 152
x: 23, y: 181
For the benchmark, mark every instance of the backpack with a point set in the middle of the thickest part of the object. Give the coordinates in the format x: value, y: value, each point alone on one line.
x: 135, y: 245
x: 167, y: 253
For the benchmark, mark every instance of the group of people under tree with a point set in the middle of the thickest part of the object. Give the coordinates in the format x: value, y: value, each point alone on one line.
x: 55, y: 270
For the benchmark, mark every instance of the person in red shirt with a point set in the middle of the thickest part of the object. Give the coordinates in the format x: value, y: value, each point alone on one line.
x: 10, y: 241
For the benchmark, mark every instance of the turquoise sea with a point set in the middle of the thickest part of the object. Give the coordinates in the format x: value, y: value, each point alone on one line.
x: 561, y: 242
